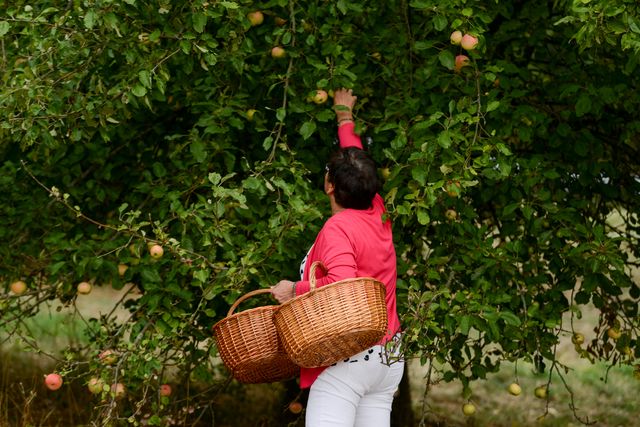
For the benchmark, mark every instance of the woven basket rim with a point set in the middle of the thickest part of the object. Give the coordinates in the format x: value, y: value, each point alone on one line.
x: 248, y: 311
x: 329, y: 286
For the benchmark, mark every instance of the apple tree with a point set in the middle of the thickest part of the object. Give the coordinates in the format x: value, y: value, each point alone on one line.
x: 510, y: 164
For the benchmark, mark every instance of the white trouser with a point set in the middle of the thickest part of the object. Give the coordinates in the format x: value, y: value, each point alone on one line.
x: 355, y: 392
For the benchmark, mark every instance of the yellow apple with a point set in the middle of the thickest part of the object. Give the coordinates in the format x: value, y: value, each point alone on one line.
x: 256, y: 18
x: 122, y: 268
x: 540, y: 392
x: 320, y: 96
x: 468, y: 409
x: 614, y: 333
x: 156, y: 251
x: 456, y: 37
x: 278, y: 52
x: 84, y: 288
x: 577, y: 338
x: 95, y: 385
x: 514, y: 389
x: 451, y: 214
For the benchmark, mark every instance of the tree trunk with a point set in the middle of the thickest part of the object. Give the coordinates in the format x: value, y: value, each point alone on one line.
x: 402, y: 411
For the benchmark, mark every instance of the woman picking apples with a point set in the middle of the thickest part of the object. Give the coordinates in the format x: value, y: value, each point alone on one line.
x: 354, y: 242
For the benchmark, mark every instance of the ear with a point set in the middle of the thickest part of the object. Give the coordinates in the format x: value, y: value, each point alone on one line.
x: 329, y: 188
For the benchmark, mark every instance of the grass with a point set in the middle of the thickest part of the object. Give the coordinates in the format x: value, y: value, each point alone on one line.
x: 24, y: 401
x: 607, y: 404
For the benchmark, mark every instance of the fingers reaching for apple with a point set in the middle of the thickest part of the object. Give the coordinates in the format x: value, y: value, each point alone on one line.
x: 344, y: 100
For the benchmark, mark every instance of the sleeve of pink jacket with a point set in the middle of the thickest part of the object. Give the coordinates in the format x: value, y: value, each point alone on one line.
x: 336, y: 253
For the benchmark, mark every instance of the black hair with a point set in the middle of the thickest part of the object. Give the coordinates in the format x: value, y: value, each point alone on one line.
x: 353, y: 174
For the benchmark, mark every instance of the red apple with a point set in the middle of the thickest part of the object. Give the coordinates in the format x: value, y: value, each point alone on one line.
x: 456, y: 37
x: 18, y: 287
x: 461, y: 61
x: 53, y: 381
x: 108, y: 357
x: 295, y: 407
x: 469, y: 42
x: 118, y: 390
x: 256, y: 18
x: 165, y: 390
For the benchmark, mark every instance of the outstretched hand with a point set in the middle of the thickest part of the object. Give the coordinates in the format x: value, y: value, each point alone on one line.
x: 344, y: 98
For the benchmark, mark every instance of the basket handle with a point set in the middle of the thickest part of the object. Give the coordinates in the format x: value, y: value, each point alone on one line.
x: 312, y: 273
x: 244, y: 297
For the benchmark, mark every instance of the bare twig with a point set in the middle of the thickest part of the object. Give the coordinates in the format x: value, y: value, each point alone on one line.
x: 287, y: 77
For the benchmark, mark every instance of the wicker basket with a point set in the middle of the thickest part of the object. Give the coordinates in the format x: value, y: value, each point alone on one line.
x: 249, y: 345
x: 333, y: 322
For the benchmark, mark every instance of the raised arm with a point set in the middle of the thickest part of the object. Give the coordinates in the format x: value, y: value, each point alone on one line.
x: 343, y: 102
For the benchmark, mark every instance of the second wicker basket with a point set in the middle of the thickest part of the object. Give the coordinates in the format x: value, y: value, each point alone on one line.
x: 249, y: 345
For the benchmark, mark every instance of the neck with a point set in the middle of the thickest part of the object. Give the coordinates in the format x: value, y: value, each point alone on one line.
x: 335, y: 207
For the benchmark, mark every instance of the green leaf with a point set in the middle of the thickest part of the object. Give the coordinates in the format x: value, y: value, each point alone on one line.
x: 342, y: 5
x: 423, y: 217
x: 229, y: 4
x: 446, y: 59
x: 90, y: 19
x: 465, y: 325
x: 150, y: 275
x: 198, y: 151
x: 583, y: 105
x: 419, y: 173
x: 307, y: 129
x: 444, y: 140
x: 510, y: 318
x: 145, y: 78
x: 493, y: 105
x: 139, y: 90
x: 267, y: 143
x: 281, y: 113
x: 4, y: 28
x: 199, y: 22
x: 439, y: 22
x: 201, y: 275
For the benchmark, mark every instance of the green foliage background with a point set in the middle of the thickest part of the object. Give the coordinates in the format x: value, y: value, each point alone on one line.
x: 125, y: 123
